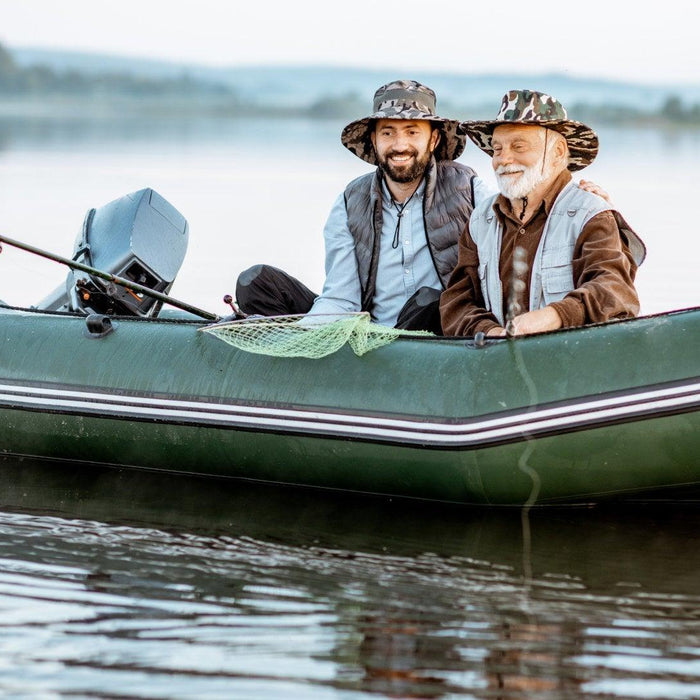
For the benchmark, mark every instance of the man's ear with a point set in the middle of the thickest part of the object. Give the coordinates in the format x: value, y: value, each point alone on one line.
x: 373, y: 139
x: 435, y: 137
x: 562, y: 150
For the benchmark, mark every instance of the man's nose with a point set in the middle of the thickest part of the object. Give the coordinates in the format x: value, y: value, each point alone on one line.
x: 503, y: 157
x: 400, y: 142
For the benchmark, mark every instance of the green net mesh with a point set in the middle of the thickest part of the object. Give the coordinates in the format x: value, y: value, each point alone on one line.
x: 306, y: 336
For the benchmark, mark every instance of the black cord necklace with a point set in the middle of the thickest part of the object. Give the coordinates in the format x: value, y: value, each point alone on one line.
x: 522, y: 213
x: 400, y: 209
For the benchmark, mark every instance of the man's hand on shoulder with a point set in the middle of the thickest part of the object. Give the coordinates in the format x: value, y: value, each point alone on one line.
x: 590, y: 186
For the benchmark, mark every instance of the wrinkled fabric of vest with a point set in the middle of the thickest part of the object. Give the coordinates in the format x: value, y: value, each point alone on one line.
x: 447, y: 206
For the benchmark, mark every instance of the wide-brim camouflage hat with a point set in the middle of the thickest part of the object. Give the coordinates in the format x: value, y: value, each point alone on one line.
x: 530, y: 107
x: 404, y: 99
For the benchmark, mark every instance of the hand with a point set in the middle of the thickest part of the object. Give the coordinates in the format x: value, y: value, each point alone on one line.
x: 591, y: 187
x: 539, y: 321
x: 496, y: 332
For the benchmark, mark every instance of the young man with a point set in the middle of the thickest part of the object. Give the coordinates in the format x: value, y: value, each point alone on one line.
x: 391, y: 237
x: 543, y: 244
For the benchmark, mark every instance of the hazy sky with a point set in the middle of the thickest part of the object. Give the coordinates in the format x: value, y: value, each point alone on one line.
x: 601, y: 38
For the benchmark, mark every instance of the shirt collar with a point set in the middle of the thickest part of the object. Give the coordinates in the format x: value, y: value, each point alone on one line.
x: 417, y: 195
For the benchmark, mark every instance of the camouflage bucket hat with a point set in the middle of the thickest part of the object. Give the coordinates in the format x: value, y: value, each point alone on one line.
x: 530, y: 107
x: 404, y: 99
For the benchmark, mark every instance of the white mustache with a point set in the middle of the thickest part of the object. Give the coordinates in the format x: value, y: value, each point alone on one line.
x: 507, y: 169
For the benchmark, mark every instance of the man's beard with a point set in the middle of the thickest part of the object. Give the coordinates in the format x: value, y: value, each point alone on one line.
x: 405, y: 173
x: 522, y: 186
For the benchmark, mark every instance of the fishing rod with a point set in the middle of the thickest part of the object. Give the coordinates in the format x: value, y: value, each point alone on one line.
x: 109, y: 277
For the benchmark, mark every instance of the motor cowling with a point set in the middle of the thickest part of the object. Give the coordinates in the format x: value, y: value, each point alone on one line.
x: 140, y: 237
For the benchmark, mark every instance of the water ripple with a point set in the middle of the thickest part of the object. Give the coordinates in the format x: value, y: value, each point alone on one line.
x: 268, y: 599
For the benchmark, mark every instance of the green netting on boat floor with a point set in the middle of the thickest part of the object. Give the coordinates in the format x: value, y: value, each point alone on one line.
x: 306, y: 336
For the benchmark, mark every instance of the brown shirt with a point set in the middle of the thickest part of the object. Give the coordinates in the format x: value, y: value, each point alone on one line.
x: 603, y: 271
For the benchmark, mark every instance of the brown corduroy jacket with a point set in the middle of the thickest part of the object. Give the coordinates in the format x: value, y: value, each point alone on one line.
x: 603, y: 269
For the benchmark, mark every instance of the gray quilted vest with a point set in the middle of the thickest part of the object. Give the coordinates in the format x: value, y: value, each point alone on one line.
x: 447, y: 206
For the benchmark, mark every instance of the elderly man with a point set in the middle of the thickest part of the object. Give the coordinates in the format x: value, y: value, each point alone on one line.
x: 543, y: 244
x: 391, y: 237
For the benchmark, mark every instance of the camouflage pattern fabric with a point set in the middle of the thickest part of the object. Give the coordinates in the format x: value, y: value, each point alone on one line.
x: 404, y: 99
x: 531, y: 107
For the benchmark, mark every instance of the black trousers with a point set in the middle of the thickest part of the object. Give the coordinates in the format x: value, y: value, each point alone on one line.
x: 269, y: 291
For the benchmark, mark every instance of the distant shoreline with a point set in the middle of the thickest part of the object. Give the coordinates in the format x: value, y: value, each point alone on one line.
x: 56, y: 108
x: 55, y: 89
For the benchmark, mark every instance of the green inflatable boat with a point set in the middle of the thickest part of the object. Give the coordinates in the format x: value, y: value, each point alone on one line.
x: 95, y: 374
x: 566, y: 417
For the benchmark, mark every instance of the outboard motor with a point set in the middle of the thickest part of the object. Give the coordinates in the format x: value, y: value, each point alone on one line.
x: 139, y: 237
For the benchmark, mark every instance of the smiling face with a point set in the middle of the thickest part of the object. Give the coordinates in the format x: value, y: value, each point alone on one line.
x: 404, y: 147
x: 520, y: 161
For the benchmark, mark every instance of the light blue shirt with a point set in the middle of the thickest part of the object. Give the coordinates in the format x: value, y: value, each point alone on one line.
x: 402, y: 270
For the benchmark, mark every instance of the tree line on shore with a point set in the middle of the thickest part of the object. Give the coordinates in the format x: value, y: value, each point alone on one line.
x: 18, y: 81
x: 218, y: 99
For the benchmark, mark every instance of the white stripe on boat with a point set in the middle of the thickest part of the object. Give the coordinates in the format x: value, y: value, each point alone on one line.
x: 517, y: 425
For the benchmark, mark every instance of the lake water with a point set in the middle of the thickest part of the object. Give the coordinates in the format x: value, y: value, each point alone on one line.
x: 125, y: 585
x: 120, y: 584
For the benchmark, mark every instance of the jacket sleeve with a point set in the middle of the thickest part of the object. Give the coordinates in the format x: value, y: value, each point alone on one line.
x: 462, y: 306
x: 603, y: 271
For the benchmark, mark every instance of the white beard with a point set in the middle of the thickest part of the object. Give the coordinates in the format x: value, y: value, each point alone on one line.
x: 522, y: 186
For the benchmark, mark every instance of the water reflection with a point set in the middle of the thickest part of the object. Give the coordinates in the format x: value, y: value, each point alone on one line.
x: 37, y: 133
x: 200, y: 586
x: 531, y: 659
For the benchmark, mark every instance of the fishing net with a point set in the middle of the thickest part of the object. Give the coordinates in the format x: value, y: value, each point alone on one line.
x: 306, y: 336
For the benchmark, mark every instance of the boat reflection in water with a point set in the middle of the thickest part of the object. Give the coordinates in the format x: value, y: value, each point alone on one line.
x: 116, y: 581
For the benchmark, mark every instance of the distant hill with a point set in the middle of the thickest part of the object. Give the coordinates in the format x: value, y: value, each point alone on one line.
x: 297, y: 85
x: 340, y: 90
